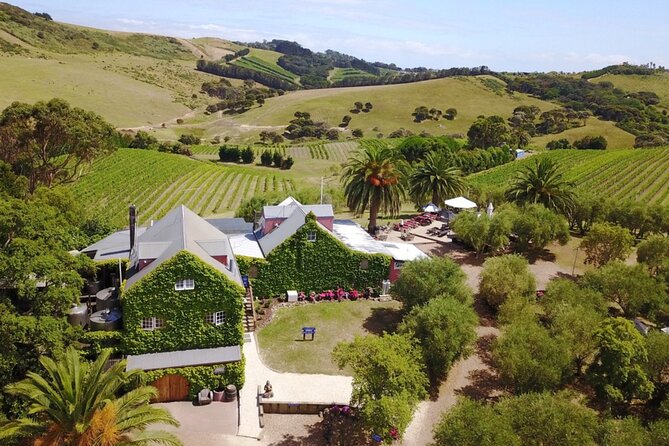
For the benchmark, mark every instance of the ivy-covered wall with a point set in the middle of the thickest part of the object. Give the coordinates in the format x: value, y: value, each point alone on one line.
x: 183, y: 311
x: 298, y: 264
x: 202, y: 377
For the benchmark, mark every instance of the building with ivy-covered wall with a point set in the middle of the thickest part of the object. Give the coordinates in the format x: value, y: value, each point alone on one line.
x: 184, y: 295
x: 304, y: 248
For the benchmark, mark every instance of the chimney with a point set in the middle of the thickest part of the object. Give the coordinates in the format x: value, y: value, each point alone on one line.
x: 133, y: 225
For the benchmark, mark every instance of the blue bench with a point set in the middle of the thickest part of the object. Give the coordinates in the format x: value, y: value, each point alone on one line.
x: 308, y: 331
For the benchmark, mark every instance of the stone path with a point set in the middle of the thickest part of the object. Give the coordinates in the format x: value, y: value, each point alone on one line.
x: 287, y: 387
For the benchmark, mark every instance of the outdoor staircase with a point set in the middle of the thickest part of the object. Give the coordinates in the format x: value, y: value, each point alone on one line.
x: 249, y: 312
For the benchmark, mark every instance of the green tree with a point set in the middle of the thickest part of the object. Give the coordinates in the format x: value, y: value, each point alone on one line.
x: 657, y: 366
x: 80, y: 403
x: 436, y: 178
x: 48, y: 142
x: 505, y: 276
x: 445, y: 330
x: 143, y: 140
x: 630, y: 286
x: 606, y: 243
x: 546, y: 419
x: 542, y: 182
x: 535, y: 227
x: 654, y: 253
x: 530, y: 359
x: 422, y: 280
x: 626, y: 432
x: 617, y: 371
x: 471, y: 423
x: 488, y: 132
x: 374, y: 178
x: 357, y: 133
x: 247, y: 155
x: 450, y: 114
x: 189, y: 139
x: 388, y: 378
x: 573, y: 312
x: 472, y: 229
x: 421, y: 114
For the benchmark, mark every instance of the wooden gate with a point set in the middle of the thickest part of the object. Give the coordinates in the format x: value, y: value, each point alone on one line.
x: 171, y: 388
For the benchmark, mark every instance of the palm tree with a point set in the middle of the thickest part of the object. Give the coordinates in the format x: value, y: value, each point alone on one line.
x: 374, y: 178
x: 435, y: 177
x: 76, y: 404
x: 543, y: 182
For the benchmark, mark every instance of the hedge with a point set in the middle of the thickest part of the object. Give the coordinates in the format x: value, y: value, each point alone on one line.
x: 201, y: 377
x: 298, y: 264
x: 100, y: 340
x: 183, y: 311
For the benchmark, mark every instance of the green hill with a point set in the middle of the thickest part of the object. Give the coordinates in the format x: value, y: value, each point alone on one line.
x: 657, y: 83
x: 641, y: 174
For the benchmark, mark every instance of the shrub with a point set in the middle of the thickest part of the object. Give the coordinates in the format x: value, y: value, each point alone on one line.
x: 591, y: 142
x: 422, y: 280
x: 248, y: 156
x: 287, y: 163
x: 506, y: 276
x: 277, y: 159
x: 229, y: 154
x: 266, y: 158
x: 189, y: 139
x: 357, y: 133
x: 559, y: 144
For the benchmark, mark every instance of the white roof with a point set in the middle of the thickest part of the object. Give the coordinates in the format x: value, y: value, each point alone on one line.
x: 460, y: 203
x: 405, y: 252
x: 246, y: 245
x: 356, y: 238
x: 184, y: 358
x: 287, y: 206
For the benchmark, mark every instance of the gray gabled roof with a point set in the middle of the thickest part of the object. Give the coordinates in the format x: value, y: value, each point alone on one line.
x: 114, y: 246
x: 184, y: 358
x: 182, y: 229
x: 287, y: 228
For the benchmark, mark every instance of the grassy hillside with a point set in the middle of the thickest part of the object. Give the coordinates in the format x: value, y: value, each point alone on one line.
x: 130, y: 79
x: 121, y: 179
x: 657, y: 83
x: 393, y: 105
x: 641, y: 174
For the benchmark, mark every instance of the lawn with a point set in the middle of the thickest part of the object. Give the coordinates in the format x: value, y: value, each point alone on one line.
x: 281, y: 345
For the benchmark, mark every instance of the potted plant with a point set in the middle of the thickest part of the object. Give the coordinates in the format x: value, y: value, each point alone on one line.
x: 219, y: 392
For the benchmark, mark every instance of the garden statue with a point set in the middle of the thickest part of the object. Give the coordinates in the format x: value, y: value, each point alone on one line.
x: 268, y: 390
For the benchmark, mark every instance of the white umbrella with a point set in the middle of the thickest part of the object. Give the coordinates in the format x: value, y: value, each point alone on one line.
x: 490, y: 209
x: 431, y: 207
x: 460, y: 203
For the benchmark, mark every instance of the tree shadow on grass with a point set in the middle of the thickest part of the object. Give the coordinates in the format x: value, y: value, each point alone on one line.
x: 383, y: 319
x: 539, y: 254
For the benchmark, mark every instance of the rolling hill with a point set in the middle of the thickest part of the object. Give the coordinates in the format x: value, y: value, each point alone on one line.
x: 144, y: 81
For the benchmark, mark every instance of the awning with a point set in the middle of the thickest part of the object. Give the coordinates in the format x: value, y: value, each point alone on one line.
x: 184, y: 358
x: 460, y: 203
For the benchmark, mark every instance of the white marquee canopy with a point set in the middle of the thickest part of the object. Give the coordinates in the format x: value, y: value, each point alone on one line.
x: 460, y: 203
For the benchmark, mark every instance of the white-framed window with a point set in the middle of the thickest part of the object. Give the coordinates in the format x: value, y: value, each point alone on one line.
x: 311, y: 236
x: 152, y: 323
x: 185, y: 284
x: 399, y: 264
x: 216, y: 318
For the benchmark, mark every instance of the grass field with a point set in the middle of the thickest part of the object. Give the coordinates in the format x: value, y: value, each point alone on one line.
x: 281, y: 345
x: 657, y: 83
x: 623, y: 174
x: 158, y: 182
